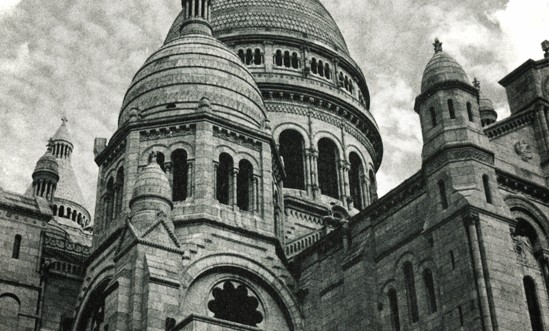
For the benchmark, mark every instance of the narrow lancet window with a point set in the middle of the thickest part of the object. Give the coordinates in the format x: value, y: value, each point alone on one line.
x: 327, y: 167
x: 223, y: 180
x: 533, y: 304
x: 411, y: 291
x: 16, y: 247
x: 292, y: 152
x: 433, y: 115
x: 430, y: 290
x: 180, y: 178
x: 486, y: 185
x: 355, y: 180
x: 470, y: 112
x: 451, y: 109
x: 442, y: 193
x: 244, y: 185
x: 393, y: 306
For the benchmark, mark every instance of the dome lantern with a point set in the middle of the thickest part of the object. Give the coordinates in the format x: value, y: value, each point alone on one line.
x: 196, y: 17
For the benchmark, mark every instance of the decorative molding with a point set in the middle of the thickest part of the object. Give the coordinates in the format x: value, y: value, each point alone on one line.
x: 457, y: 154
x: 514, y: 122
x: 237, y: 138
x: 524, y: 150
x: 64, y: 245
x: 517, y: 185
x: 167, y: 132
x: 115, y: 154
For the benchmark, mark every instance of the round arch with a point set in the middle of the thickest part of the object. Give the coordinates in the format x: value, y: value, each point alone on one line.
x: 244, y: 264
x: 292, y: 126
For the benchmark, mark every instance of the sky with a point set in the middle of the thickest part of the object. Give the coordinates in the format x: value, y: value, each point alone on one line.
x: 76, y: 58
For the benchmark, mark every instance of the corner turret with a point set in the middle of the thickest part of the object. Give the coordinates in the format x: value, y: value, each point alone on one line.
x: 45, y: 175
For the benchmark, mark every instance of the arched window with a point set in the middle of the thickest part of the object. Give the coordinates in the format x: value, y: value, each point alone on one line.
x: 346, y: 83
x: 278, y: 58
x: 295, y: 60
x: 9, y: 312
x: 223, y: 181
x: 533, y: 303
x: 410, y: 285
x: 16, y: 247
x: 451, y: 109
x: 69, y: 213
x: 327, y: 71
x: 241, y: 55
x: 249, y: 56
x: 373, y: 186
x: 73, y: 218
x: 470, y: 112
x: 160, y: 159
x: 109, y: 195
x: 61, y: 211
x: 180, y: 177
x: 321, y: 68
x: 486, y: 185
x: 119, y: 191
x: 54, y: 210
x: 433, y: 115
x: 79, y: 219
x: 292, y: 151
x: 393, y: 306
x: 327, y: 167
x: 244, y: 185
x: 430, y: 290
x: 287, y: 61
x: 93, y: 314
x: 442, y: 193
x: 234, y: 302
x: 257, y: 56
x: 314, y: 66
x: 355, y: 180
x: 341, y: 80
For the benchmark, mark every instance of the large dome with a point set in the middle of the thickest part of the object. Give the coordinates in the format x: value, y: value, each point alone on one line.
x: 302, y: 18
x: 183, y: 71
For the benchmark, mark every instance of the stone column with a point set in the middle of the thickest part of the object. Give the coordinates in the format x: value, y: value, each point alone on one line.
x: 364, y: 190
x: 335, y: 63
x: 268, y: 56
x: 312, y: 158
x: 216, y: 166
x: 255, y: 194
x: 471, y: 223
x: 190, y: 178
x: 305, y: 59
x: 234, y: 180
x: 542, y: 256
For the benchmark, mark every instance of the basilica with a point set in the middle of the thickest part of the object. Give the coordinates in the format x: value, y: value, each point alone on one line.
x: 239, y: 193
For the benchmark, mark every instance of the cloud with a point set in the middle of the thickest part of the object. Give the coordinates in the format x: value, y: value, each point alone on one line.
x: 7, y: 6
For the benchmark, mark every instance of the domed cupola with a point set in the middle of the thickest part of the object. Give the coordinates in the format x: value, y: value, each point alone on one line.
x: 488, y: 114
x: 190, y: 66
x: 45, y: 175
x: 152, y: 190
x: 442, y: 68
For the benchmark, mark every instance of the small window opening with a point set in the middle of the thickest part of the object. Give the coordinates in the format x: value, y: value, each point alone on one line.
x: 16, y: 247
x: 287, y: 61
x: 487, y: 192
x: 409, y: 281
x: 433, y: 117
x: 257, y: 56
x: 314, y: 68
x: 393, y: 306
x: 355, y: 180
x: 452, y: 260
x: 442, y: 192
x: 470, y: 112
x: 249, y: 56
x: 327, y: 71
x: 430, y: 289
x: 295, y: 60
x: 241, y: 55
x: 278, y: 58
x: 244, y: 185
x: 533, y: 304
x: 460, y: 314
x: 292, y: 152
x: 451, y: 109
x: 321, y: 68
x: 327, y: 167
x: 224, y: 178
x: 180, y: 177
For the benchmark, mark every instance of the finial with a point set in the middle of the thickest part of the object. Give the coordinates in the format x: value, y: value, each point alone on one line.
x: 545, y: 47
x: 64, y: 119
x: 438, y: 45
x: 50, y: 144
x: 476, y: 83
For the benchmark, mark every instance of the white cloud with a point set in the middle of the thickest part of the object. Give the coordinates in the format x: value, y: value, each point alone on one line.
x: 7, y: 5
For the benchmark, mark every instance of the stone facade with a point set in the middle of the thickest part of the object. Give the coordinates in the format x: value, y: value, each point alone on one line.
x: 239, y: 193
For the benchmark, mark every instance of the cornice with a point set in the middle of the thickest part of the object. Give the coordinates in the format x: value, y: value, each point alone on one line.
x: 516, y: 184
x: 455, y: 153
x: 446, y: 85
x: 529, y: 64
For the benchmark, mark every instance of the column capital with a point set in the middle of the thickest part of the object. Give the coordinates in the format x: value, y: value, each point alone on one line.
x: 471, y: 218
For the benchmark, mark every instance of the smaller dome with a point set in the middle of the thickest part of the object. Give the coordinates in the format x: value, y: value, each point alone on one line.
x: 485, y: 103
x: 488, y: 114
x: 47, y: 164
x: 63, y: 132
x: 442, y: 68
x: 152, y: 183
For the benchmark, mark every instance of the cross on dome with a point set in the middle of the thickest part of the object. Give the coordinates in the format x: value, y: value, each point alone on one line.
x: 438, y: 45
x: 476, y: 83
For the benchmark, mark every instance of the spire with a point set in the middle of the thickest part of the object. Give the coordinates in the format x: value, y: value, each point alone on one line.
x: 438, y: 45
x: 196, y: 17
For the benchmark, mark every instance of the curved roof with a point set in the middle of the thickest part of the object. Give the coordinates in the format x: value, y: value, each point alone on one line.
x: 442, y: 68
x: 185, y: 70
x: 152, y: 182
x: 47, y: 163
x: 302, y: 18
x: 63, y: 133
